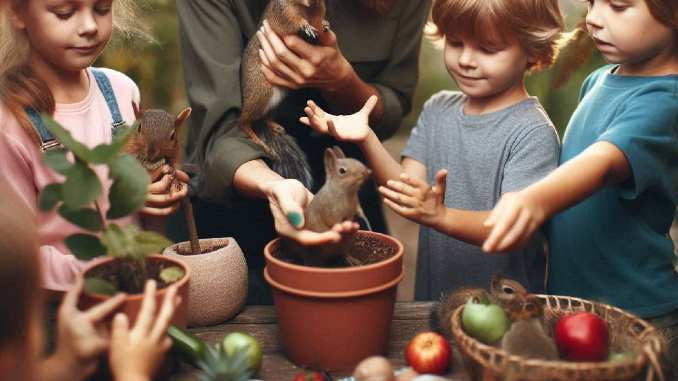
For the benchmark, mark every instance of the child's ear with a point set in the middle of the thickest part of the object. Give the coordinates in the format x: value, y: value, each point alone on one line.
x: 16, y: 17
x: 183, y: 115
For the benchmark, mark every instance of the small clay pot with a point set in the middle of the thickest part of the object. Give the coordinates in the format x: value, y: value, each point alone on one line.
x: 132, y: 303
x: 332, y: 318
x: 218, y: 286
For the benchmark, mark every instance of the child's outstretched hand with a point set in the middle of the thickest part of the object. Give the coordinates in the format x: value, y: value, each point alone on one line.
x: 514, y: 220
x: 136, y: 354
x: 82, y: 335
x: 351, y: 128
x: 288, y: 199
x: 415, y: 199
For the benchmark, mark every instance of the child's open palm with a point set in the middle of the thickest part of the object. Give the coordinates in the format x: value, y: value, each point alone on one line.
x: 351, y: 128
x: 415, y: 199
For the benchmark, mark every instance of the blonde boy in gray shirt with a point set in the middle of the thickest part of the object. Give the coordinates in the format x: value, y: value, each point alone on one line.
x: 473, y: 145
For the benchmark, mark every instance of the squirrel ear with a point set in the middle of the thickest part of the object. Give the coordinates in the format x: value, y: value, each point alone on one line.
x: 137, y: 111
x: 330, y: 161
x: 338, y: 152
x: 183, y: 115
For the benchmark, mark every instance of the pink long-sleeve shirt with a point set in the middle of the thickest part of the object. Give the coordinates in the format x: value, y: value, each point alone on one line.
x: 22, y: 169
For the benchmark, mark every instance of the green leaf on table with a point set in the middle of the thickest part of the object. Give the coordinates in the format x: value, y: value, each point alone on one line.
x: 85, y: 246
x: 82, y: 186
x: 99, y: 286
x: 171, y: 274
x: 85, y: 218
x: 66, y: 139
x: 104, y: 153
x: 49, y: 197
x: 57, y: 160
x: 130, y: 185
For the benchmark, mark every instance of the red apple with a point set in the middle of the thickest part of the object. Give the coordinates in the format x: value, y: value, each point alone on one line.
x: 582, y: 336
x: 429, y: 353
x: 309, y: 376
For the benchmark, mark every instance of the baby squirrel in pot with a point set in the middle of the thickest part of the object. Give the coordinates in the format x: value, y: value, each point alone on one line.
x: 260, y: 98
x: 335, y: 202
x: 156, y: 143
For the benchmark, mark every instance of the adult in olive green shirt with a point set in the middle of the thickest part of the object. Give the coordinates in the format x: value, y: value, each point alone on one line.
x: 368, y: 52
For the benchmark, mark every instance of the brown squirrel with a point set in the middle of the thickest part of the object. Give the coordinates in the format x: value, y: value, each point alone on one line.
x: 335, y: 202
x: 260, y: 98
x: 156, y: 143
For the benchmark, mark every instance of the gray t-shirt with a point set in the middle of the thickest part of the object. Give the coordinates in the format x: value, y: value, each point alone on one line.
x: 485, y: 156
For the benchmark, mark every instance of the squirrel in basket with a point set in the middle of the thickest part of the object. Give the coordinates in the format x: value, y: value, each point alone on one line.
x: 526, y: 337
x: 260, y: 98
x: 156, y: 143
x: 335, y: 202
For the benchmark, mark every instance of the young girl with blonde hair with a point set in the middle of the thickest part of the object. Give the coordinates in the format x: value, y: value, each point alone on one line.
x: 46, y: 49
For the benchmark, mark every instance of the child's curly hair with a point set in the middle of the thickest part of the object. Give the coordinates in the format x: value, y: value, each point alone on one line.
x: 537, y: 25
x: 19, y: 87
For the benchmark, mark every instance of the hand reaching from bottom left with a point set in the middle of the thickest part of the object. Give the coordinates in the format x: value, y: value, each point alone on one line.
x: 137, y: 353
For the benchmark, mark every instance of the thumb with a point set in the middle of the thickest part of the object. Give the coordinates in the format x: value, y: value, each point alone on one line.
x: 441, y: 183
x: 369, y: 105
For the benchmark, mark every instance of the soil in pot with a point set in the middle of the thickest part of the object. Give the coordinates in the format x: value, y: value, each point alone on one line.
x: 366, y: 250
x: 112, y: 271
x: 205, y: 247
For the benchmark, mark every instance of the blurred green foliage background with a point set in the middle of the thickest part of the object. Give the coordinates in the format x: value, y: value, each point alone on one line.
x: 157, y: 68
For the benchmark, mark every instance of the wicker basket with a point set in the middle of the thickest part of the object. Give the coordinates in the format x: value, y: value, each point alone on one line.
x: 627, y: 333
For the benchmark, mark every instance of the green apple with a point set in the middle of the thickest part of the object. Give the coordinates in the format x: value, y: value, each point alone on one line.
x: 239, y: 341
x: 484, y: 322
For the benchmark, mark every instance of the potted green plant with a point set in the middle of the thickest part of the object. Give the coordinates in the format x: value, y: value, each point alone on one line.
x: 128, y: 249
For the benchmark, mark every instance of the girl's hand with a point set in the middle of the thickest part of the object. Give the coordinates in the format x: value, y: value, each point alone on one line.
x: 514, y: 220
x: 137, y: 353
x: 288, y: 199
x: 164, y: 195
x: 414, y: 199
x: 293, y: 63
x: 352, y: 128
x: 82, y: 335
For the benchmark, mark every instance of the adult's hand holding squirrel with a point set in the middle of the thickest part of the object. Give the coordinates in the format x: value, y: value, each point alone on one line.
x: 352, y: 128
x: 288, y: 199
x: 513, y: 220
x: 415, y: 199
x: 293, y: 63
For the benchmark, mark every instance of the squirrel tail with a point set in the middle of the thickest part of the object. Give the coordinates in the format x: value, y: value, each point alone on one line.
x: 289, y: 160
x: 247, y: 128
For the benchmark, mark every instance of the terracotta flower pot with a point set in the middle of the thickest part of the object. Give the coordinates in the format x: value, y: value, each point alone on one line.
x: 132, y: 303
x: 218, y: 286
x: 332, y: 318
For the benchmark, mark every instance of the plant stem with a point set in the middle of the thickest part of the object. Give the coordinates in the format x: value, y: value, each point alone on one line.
x: 104, y: 223
x: 190, y: 221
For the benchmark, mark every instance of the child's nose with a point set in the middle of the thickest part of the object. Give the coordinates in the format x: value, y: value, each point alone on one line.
x: 593, y: 19
x: 88, y: 24
x: 466, y: 58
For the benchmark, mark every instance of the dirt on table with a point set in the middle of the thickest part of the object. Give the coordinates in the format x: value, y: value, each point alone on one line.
x: 365, y: 250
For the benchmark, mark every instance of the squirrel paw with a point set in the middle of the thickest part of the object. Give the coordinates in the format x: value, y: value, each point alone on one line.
x: 310, y: 31
x: 326, y: 25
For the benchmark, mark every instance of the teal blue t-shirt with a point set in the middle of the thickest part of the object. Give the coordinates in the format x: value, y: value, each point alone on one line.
x: 614, y: 246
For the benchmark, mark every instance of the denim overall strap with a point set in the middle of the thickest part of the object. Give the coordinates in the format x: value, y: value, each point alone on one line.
x: 107, y: 90
x: 47, y: 141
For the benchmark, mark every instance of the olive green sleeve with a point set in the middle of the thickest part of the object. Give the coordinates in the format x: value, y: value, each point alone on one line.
x: 398, y: 79
x: 211, y: 47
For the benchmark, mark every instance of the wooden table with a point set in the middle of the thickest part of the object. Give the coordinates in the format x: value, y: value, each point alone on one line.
x: 409, y: 318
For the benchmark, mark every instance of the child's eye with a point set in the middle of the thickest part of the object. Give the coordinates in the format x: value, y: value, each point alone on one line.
x: 103, y: 10
x: 456, y: 43
x: 488, y: 50
x: 619, y: 7
x: 63, y: 13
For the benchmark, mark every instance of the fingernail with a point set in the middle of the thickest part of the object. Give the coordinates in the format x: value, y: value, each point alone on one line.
x: 295, y: 219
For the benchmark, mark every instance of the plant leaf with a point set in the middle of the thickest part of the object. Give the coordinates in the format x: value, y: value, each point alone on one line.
x: 150, y: 242
x: 130, y: 185
x: 57, y: 160
x: 99, y: 286
x: 114, y: 240
x: 49, y: 197
x: 64, y: 137
x: 171, y: 274
x: 86, y: 218
x: 104, y: 153
x: 82, y: 186
x: 85, y: 246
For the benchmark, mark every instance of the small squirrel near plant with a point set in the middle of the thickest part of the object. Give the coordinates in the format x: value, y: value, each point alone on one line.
x: 156, y: 143
x: 335, y: 202
x: 260, y: 98
x: 526, y: 337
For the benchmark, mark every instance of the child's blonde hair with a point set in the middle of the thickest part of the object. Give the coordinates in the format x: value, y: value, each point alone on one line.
x: 19, y: 86
x: 19, y: 268
x: 537, y: 25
